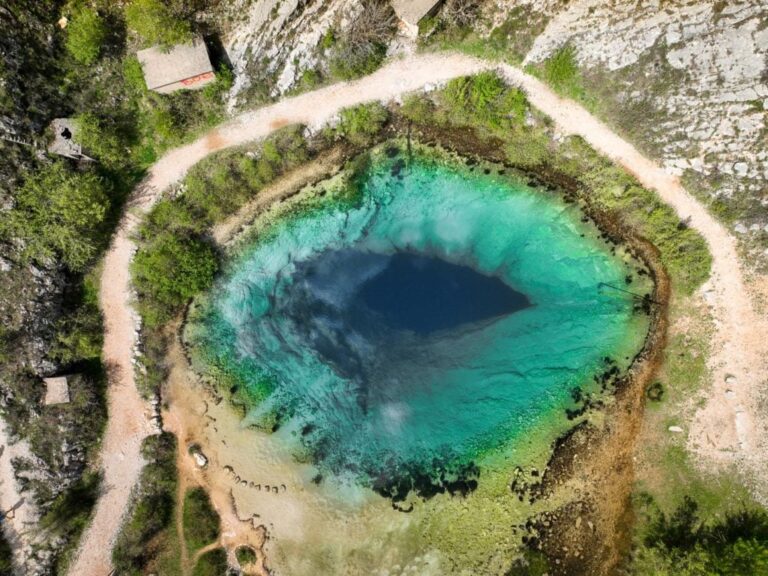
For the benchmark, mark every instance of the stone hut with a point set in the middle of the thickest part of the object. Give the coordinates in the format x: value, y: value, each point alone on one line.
x: 64, y: 142
x: 56, y: 391
x: 411, y: 12
x: 183, y: 67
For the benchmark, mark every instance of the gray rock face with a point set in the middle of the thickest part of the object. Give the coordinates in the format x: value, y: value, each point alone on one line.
x: 699, y: 70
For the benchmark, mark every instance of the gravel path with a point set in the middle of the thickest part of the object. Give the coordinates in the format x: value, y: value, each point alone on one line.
x: 741, y: 350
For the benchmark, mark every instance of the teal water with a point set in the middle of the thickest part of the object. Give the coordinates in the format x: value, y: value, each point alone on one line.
x: 394, y: 340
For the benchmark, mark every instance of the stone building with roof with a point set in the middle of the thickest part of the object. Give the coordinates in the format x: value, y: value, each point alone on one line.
x: 183, y: 67
x: 56, y: 391
x: 411, y: 12
x: 64, y: 141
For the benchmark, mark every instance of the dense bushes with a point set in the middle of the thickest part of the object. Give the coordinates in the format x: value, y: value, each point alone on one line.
x: 156, y: 23
x: 682, y: 544
x: 201, y: 522
x: 484, y: 100
x: 59, y: 213
x: 171, y: 269
x: 85, y: 34
x: 360, y: 124
x: 152, y: 507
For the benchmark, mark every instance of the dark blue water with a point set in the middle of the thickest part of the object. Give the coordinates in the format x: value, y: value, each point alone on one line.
x: 425, y: 294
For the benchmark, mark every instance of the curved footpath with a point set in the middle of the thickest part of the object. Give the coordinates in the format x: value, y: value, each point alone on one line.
x: 741, y: 334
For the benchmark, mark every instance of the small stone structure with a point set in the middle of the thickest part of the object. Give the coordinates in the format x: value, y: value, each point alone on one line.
x: 64, y: 141
x: 411, y: 12
x: 183, y: 67
x: 56, y: 391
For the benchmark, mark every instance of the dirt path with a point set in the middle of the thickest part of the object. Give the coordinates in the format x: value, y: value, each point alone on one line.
x: 724, y: 431
x: 18, y: 515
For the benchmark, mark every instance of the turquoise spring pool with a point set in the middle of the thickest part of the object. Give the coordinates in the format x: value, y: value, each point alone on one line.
x: 395, y: 338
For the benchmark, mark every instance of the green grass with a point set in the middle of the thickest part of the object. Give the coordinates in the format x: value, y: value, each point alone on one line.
x: 144, y: 537
x: 201, y: 522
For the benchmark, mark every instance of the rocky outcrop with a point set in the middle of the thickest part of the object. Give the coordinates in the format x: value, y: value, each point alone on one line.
x: 691, y: 82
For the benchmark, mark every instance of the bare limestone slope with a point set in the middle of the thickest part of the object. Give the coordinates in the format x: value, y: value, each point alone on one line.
x: 742, y: 333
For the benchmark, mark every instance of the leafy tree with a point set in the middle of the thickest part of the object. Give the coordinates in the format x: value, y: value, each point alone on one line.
x: 170, y: 270
x: 201, y: 522
x: 682, y: 544
x: 102, y: 140
x: 59, y: 212
x: 85, y: 34
x: 156, y: 23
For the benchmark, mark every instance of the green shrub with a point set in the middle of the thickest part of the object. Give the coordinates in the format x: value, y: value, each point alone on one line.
x: 152, y: 507
x: 59, y: 213
x: 201, y: 522
x: 561, y: 72
x: 418, y: 108
x: 484, y: 100
x: 245, y: 555
x: 85, y: 35
x: 527, y: 149
x: 360, y: 123
x: 134, y: 75
x: 170, y: 270
x: 213, y: 563
x: 156, y: 23
x: 328, y: 39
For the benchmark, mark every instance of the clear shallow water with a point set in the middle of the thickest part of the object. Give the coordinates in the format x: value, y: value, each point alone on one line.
x: 396, y: 340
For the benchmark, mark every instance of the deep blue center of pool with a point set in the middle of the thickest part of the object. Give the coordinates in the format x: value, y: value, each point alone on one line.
x: 404, y: 291
x: 439, y: 316
x: 424, y: 294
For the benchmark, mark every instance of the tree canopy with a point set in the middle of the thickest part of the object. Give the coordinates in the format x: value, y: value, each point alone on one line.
x: 59, y: 213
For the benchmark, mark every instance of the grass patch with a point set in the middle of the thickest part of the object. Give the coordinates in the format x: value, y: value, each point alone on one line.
x: 561, y: 72
x: 201, y: 522
x: 145, y: 535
